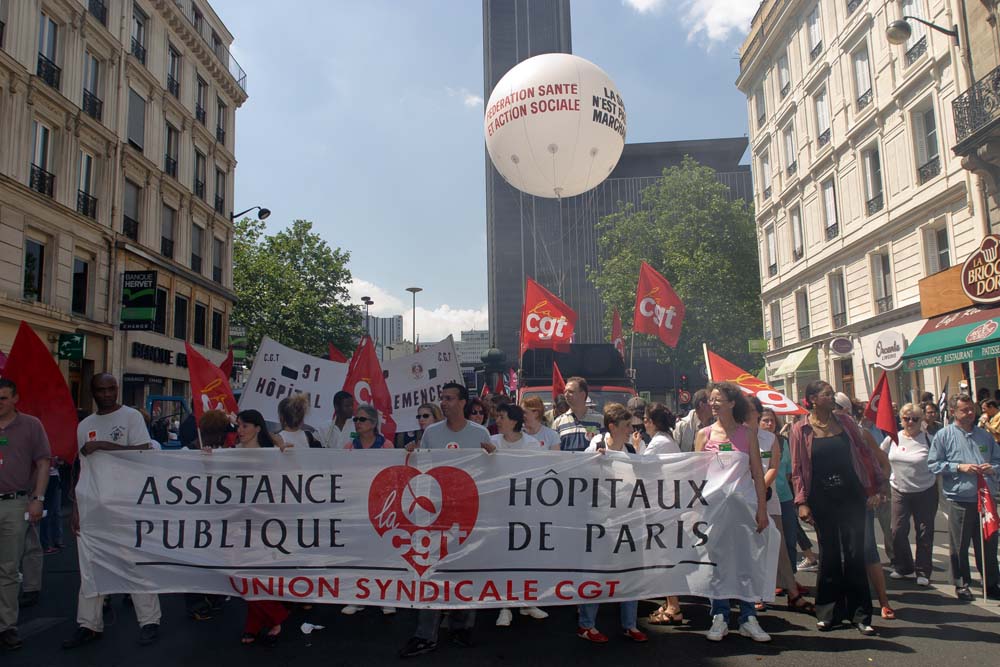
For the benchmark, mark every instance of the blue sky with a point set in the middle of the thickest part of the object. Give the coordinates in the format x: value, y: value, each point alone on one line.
x: 366, y: 118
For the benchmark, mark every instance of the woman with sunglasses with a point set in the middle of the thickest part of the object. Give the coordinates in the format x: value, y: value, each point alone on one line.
x: 914, y: 496
x: 427, y: 414
x: 534, y: 425
x: 477, y: 412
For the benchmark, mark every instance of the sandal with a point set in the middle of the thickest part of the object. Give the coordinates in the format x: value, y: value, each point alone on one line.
x: 760, y: 606
x: 888, y: 614
x: 248, y: 638
x: 664, y: 616
x: 801, y: 605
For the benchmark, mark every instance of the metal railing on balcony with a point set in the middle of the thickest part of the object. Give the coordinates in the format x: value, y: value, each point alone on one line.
x: 785, y: 89
x: 929, y: 169
x: 220, y: 204
x: 804, y: 332
x: 875, y: 204
x: 884, y: 305
x: 824, y: 137
x: 816, y: 50
x: 864, y: 99
x: 761, y: 120
x: 138, y: 50
x: 915, y: 51
x: 98, y: 10
x: 772, y: 270
x: 174, y: 86
x: 792, y: 168
x: 776, y: 343
x: 977, y: 107
x: 217, y: 274
x: 41, y: 181
x: 130, y: 228
x: 220, y: 134
x: 797, y: 254
x: 199, y: 189
x: 199, y: 113
x: 852, y: 5
x: 48, y: 71
x: 167, y: 247
x: 170, y: 165
x: 767, y: 192
x: 86, y: 204
x: 196, y: 263
x: 839, y: 320
x: 832, y: 231
x: 220, y: 51
x: 92, y: 105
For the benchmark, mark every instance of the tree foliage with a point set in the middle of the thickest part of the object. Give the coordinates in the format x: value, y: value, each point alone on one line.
x: 292, y: 287
x: 705, y: 245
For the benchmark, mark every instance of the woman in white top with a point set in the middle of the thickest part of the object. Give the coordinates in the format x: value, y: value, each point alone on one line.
x: 292, y: 413
x: 660, y: 421
x: 510, y: 422
x: 534, y: 414
x: 914, y: 495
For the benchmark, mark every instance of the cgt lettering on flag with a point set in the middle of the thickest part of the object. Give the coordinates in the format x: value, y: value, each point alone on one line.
x: 658, y: 309
x: 541, y: 322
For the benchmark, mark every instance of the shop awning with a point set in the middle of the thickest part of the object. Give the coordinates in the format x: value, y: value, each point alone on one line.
x: 805, y: 359
x: 969, y: 335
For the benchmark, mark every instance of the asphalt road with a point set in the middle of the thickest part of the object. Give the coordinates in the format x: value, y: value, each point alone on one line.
x: 932, y: 628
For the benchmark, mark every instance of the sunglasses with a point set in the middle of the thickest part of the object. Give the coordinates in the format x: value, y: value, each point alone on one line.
x: 427, y: 416
x: 476, y: 412
x: 911, y: 419
x: 361, y: 419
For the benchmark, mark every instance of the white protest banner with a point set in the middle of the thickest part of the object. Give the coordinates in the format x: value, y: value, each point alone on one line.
x: 279, y: 371
x: 436, y: 529
x: 418, y: 378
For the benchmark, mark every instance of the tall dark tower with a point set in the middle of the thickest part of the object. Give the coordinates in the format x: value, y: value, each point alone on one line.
x: 518, y: 224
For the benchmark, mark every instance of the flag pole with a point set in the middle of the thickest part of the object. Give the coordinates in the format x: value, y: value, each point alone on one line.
x: 631, y: 354
x: 982, y: 533
x: 708, y: 366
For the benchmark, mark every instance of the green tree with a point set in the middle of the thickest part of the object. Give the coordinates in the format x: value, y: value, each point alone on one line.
x: 292, y: 287
x: 705, y: 245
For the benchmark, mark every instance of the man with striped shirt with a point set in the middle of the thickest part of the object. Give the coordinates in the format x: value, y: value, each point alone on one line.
x: 579, y: 425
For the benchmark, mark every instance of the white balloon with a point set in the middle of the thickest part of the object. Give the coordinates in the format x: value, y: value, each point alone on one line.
x: 555, y: 125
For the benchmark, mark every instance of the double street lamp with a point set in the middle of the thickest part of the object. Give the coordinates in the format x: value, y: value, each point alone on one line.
x: 367, y: 300
x: 413, y: 291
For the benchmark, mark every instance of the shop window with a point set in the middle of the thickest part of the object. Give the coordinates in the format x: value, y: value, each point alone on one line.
x: 180, y: 317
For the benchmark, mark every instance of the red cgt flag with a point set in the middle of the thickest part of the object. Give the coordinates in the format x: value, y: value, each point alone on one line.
x: 227, y: 364
x: 500, y: 389
x: 616, y: 334
x: 210, y: 388
x: 879, y: 409
x: 658, y: 309
x: 546, y: 322
x: 558, y: 384
x: 721, y: 370
x: 333, y: 354
x: 367, y: 385
x: 987, y: 508
x: 42, y: 391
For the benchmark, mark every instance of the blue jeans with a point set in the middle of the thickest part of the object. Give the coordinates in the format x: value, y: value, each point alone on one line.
x: 723, y: 606
x: 790, y: 524
x: 629, y: 611
x: 50, y: 528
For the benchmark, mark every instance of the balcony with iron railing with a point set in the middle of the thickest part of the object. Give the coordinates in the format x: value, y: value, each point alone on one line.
x: 92, y: 105
x: 220, y: 204
x: 41, y: 181
x: 220, y: 134
x: 864, y: 99
x: 804, y: 332
x: 785, y: 89
x: 761, y: 120
x: 218, y: 49
x: 792, y: 168
x: 48, y: 71
x: 797, y: 254
x: 929, y: 169
x: 776, y: 343
x: 174, y: 86
x: 767, y: 192
x: 199, y: 113
x: 832, y: 231
x: 977, y: 107
x: 839, y: 320
x: 772, y: 270
x: 138, y: 50
x: 199, y: 189
x: 875, y: 204
x: 170, y: 165
x: 130, y: 228
x: 86, y: 204
x: 915, y: 51
x: 167, y: 247
x: 824, y: 138
x: 816, y: 50
x: 852, y: 5
x: 98, y: 10
x: 884, y: 304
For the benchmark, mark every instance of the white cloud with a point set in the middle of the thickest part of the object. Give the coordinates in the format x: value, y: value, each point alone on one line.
x: 432, y: 325
x: 469, y: 99
x: 713, y: 20
x: 385, y: 304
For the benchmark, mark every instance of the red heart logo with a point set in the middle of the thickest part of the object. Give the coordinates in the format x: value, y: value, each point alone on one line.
x: 426, y: 515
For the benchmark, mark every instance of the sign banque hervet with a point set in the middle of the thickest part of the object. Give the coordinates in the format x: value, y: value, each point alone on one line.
x: 981, y: 272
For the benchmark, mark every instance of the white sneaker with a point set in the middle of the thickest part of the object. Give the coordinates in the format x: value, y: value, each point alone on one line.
x: 504, y: 619
x: 534, y: 612
x: 388, y: 611
x: 751, y: 628
x: 923, y: 581
x: 351, y: 609
x: 720, y: 628
x: 896, y: 575
x: 807, y: 565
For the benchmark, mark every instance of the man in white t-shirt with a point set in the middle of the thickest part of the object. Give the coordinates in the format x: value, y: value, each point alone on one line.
x: 339, y: 433
x: 114, y: 427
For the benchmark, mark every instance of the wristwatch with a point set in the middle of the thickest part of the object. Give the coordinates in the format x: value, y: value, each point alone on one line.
x: 40, y: 499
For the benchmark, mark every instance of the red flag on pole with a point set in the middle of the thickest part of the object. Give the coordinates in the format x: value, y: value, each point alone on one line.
x: 500, y: 390
x: 879, y: 408
x: 558, y: 384
x: 42, y: 391
x: 658, y: 309
x: 485, y: 390
x: 987, y: 509
x: 210, y: 388
x: 3, y: 361
x: 546, y: 322
x: 367, y: 385
x: 227, y: 364
x: 721, y: 370
x: 333, y: 354
x: 512, y: 380
x: 616, y: 334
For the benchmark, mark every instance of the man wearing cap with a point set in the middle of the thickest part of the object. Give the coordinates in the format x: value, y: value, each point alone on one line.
x: 24, y: 475
x: 637, y: 406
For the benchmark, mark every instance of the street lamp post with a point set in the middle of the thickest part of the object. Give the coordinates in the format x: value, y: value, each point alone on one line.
x: 367, y: 300
x: 413, y: 291
x: 389, y: 349
x: 262, y: 214
x: 899, y: 31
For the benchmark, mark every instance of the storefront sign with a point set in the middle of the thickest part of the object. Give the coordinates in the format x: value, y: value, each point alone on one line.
x: 158, y: 355
x: 138, y: 300
x: 842, y: 346
x: 757, y: 346
x: 72, y: 346
x: 889, y: 350
x: 238, y: 341
x: 981, y: 272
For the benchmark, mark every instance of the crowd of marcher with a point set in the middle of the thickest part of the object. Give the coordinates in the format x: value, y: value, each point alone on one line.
x: 831, y: 470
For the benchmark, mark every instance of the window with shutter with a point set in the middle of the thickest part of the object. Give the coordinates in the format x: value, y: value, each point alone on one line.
x: 943, y: 249
x: 797, y: 244
x: 136, y: 119
x: 862, y: 75
x: 815, y: 34
x: 931, y: 251
x: 784, y: 76
x: 830, y: 204
x: 790, y: 145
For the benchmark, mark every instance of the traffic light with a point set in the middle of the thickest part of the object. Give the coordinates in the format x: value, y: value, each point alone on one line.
x: 684, y: 381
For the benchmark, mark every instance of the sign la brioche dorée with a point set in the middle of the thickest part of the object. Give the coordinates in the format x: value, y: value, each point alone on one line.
x: 981, y: 272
